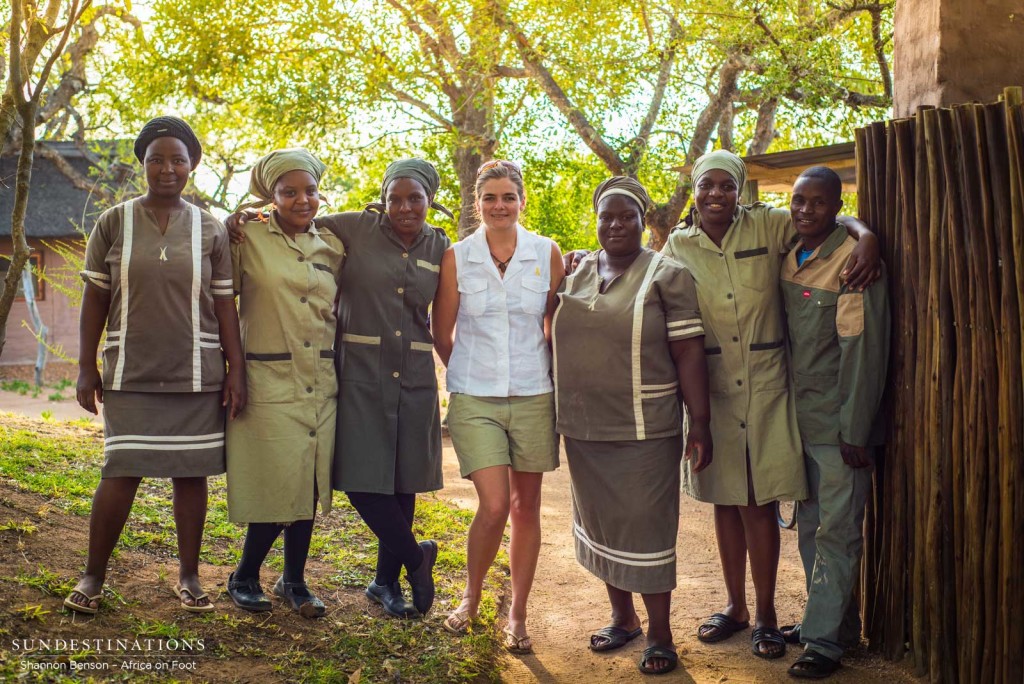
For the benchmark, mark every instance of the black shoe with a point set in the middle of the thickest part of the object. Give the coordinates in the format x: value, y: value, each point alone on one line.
x: 390, y: 597
x: 422, y: 580
x: 300, y: 598
x: 248, y: 595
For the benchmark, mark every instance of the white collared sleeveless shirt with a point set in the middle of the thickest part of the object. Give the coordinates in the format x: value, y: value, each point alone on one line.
x: 500, y: 349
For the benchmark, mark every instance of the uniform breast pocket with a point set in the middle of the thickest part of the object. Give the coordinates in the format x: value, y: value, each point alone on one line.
x: 825, y: 317
x: 426, y: 284
x: 535, y: 294
x: 757, y: 269
x: 473, y: 296
x: 270, y: 381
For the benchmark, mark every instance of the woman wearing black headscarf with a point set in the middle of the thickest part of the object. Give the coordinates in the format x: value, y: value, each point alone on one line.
x: 158, y: 279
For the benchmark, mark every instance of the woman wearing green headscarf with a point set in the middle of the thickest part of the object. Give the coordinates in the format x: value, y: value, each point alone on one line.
x: 279, y: 451
x: 388, y: 445
x: 734, y: 253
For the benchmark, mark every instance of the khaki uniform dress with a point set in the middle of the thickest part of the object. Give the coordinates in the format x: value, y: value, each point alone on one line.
x: 753, y: 416
x: 279, y: 450
x: 617, y: 396
x: 163, y: 369
x: 840, y: 348
x: 389, y: 427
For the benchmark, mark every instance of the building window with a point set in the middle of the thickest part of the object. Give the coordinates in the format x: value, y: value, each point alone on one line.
x: 36, y: 259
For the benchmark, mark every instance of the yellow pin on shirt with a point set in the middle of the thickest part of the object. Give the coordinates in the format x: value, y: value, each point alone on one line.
x: 536, y: 271
x: 163, y: 254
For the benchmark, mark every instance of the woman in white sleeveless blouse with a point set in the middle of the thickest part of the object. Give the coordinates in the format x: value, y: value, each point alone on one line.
x: 498, y: 285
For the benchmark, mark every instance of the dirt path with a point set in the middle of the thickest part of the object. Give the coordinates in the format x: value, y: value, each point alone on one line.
x: 568, y: 603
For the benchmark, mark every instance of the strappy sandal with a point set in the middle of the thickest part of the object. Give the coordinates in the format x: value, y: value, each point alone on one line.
x: 298, y: 596
x: 518, y: 645
x: 814, y: 666
x: 652, y: 652
x: 724, y: 625
x: 84, y: 609
x: 767, y: 635
x: 458, y: 622
x: 184, y: 593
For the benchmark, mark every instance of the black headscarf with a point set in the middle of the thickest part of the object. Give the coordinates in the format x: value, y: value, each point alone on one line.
x: 168, y: 127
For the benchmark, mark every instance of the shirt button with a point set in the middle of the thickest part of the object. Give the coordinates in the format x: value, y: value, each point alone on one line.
x: 302, y: 258
x: 720, y: 254
x: 743, y: 425
x: 405, y: 255
x: 303, y: 299
x: 729, y: 296
x: 398, y: 333
x: 305, y: 344
x: 312, y: 433
x: 395, y: 374
x: 309, y: 390
x: 735, y: 339
x: 401, y: 290
x: 739, y: 382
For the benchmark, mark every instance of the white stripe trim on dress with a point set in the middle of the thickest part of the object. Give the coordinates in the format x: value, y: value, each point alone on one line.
x: 672, y: 334
x: 227, y: 282
x: 638, y: 329
x: 421, y: 346
x: 164, y: 438
x: 126, y: 257
x: 554, y: 349
x: 660, y: 558
x: 688, y: 321
x: 197, y: 285
x: 650, y: 388
x: 147, y: 446
x: 209, y: 336
x: 360, y: 339
x: 657, y: 395
x: 96, y: 275
x: 209, y: 345
x: 427, y: 265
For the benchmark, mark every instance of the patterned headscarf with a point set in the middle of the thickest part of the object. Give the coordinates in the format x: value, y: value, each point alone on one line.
x: 274, y: 165
x: 626, y: 186
x: 168, y: 127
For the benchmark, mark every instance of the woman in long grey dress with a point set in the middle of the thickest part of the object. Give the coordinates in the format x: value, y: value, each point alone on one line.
x: 622, y: 421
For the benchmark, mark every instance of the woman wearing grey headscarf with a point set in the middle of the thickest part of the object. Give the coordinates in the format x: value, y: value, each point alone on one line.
x: 388, y: 445
x: 279, y: 451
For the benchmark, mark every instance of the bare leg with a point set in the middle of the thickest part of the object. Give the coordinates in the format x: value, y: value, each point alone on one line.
x: 111, y: 505
x: 659, y: 633
x: 524, y: 546
x: 189, y: 518
x: 732, y: 549
x: 492, y: 490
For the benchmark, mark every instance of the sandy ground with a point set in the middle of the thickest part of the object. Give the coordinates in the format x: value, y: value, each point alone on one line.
x: 68, y: 409
x: 568, y: 603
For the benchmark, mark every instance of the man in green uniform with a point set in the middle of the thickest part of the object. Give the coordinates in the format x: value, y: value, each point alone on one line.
x: 839, y: 339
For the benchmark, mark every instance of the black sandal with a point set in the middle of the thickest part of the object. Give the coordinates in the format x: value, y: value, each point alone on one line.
x: 300, y: 598
x: 815, y: 666
x: 725, y: 625
x: 791, y: 633
x: 652, y: 652
x: 614, y: 637
x: 767, y: 635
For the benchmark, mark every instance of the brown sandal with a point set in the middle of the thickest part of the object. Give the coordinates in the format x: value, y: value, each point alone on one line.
x: 518, y: 645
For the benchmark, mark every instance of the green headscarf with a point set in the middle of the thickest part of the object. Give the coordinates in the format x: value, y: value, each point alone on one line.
x: 274, y: 165
x: 419, y: 170
x: 724, y: 161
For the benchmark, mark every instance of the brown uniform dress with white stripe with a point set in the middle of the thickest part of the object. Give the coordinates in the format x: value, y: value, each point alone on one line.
x: 163, y: 368
x: 617, y: 395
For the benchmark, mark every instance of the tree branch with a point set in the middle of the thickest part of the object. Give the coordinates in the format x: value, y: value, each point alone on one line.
x: 879, y: 45
x: 764, y: 130
x: 405, y: 97
x: 73, y: 175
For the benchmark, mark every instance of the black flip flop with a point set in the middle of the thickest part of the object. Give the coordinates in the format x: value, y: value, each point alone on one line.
x: 725, y: 625
x: 616, y: 637
x: 791, y: 633
x: 769, y: 635
x: 816, y: 665
x: 652, y: 652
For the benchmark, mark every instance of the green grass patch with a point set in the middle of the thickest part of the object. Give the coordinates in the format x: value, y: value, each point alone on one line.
x: 60, y: 461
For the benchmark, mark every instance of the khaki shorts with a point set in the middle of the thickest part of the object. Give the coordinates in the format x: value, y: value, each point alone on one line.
x: 511, y: 431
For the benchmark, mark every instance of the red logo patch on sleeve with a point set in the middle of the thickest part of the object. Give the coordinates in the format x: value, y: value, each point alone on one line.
x: 807, y: 293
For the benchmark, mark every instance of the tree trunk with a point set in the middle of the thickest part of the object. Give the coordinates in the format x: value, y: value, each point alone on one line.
x: 20, y: 254
x: 473, y: 116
